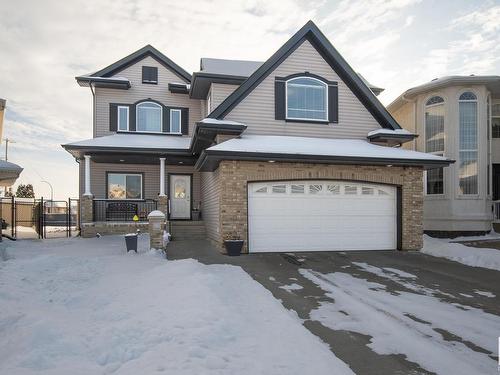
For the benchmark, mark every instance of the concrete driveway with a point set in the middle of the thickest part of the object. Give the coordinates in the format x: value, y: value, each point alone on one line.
x: 409, y: 298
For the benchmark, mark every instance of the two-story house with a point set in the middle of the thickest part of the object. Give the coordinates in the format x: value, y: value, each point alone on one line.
x: 457, y: 117
x: 292, y: 154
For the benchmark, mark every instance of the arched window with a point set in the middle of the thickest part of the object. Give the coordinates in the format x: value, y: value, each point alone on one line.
x: 434, y: 142
x: 149, y: 117
x: 468, y: 168
x: 306, y: 99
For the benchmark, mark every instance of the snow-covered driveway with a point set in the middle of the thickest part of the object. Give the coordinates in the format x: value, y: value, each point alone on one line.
x: 83, y: 306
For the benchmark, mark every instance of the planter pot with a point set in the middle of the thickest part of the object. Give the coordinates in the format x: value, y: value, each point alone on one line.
x: 131, y: 242
x: 233, y: 247
x: 195, y: 215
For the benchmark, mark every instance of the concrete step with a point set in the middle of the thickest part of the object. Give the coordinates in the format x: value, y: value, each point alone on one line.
x: 185, y: 230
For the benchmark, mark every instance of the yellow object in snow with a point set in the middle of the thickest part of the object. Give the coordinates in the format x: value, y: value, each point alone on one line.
x: 135, y: 218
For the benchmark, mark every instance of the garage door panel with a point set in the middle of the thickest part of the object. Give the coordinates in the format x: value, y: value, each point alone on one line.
x: 353, y: 217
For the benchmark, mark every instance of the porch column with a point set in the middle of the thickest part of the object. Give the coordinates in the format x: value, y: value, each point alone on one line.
x: 162, y: 177
x: 87, y: 175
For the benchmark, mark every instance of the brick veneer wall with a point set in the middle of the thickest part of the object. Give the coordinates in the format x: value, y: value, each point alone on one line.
x: 234, y: 175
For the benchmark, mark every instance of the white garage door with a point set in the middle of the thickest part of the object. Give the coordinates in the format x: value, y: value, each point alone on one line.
x: 321, y: 216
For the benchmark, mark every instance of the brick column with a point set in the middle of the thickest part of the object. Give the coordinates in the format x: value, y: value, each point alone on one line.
x: 163, y: 204
x: 87, y: 209
x: 156, y: 227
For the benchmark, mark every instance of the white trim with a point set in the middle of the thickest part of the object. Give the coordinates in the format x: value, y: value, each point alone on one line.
x: 87, y: 175
x: 305, y: 118
x: 118, y: 118
x: 180, y: 121
x: 124, y: 174
x: 137, y: 117
x: 162, y: 177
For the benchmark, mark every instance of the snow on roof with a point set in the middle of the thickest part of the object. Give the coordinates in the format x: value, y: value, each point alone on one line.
x: 356, y: 148
x: 241, y: 68
x: 214, y: 121
x: 384, y: 131
x: 132, y: 141
x: 104, y: 78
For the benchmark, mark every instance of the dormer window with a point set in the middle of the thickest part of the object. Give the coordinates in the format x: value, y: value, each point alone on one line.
x: 149, y: 117
x: 306, y: 99
x: 150, y: 75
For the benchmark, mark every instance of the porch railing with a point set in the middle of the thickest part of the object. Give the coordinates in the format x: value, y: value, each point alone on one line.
x: 123, y: 210
x: 496, y: 211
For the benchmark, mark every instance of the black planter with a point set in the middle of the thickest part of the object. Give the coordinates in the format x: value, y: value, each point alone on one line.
x: 233, y: 247
x: 131, y: 242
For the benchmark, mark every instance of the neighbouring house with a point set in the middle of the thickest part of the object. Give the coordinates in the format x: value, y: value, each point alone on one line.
x: 291, y: 154
x: 9, y: 172
x: 457, y: 117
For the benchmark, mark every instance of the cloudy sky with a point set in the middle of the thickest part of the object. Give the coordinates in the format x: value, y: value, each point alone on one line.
x: 45, y: 44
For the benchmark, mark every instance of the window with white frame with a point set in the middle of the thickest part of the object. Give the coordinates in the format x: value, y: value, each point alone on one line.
x: 434, y: 142
x: 149, y: 117
x: 175, y: 121
x: 124, y: 186
x: 495, y: 120
x: 468, y: 168
x: 123, y: 118
x: 306, y: 99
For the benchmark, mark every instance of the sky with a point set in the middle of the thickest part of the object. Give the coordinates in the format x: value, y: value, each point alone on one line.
x: 45, y: 44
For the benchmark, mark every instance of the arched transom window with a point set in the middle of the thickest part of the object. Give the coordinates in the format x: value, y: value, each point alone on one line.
x: 149, y: 117
x: 434, y: 142
x: 468, y: 168
x: 306, y: 99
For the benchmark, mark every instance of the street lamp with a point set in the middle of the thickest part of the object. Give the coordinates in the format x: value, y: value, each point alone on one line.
x: 51, y: 195
x: 7, y: 141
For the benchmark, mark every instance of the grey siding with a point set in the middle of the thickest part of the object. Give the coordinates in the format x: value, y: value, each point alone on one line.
x: 257, y: 109
x: 140, y: 91
x: 219, y: 92
x: 151, y: 179
x: 210, y: 198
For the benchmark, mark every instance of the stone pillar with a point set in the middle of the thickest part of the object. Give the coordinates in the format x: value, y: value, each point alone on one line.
x: 163, y: 204
x: 87, y: 175
x: 156, y: 226
x: 87, y: 209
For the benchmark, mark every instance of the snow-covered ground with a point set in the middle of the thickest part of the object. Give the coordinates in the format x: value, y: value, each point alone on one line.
x: 471, y: 256
x: 84, y: 306
x: 409, y: 323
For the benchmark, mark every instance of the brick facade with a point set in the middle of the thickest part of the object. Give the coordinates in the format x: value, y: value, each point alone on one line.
x: 234, y: 175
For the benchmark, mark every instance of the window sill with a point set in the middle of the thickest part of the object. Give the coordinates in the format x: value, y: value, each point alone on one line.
x: 150, y: 82
x: 143, y: 132
x: 320, y: 122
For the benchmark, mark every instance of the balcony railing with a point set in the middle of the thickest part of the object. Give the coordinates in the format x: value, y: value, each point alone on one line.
x: 496, y: 211
x: 123, y: 210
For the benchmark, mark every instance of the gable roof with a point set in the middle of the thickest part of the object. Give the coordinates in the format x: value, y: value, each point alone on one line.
x: 311, y: 33
x: 131, y: 59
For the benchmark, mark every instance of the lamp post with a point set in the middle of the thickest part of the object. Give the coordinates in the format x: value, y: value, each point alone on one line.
x: 51, y: 195
x: 7, y: 141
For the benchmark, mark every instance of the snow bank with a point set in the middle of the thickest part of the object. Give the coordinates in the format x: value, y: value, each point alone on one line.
x: 471, y: 256
x: 84, y: 306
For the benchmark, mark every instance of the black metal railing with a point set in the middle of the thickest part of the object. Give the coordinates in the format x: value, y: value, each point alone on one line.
x: 123, y: 210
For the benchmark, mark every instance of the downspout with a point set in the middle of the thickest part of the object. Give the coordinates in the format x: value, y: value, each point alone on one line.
x: 414, y: 101
x: 92, y: 90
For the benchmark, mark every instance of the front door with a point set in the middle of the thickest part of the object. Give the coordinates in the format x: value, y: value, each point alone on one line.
x: 180, y: 196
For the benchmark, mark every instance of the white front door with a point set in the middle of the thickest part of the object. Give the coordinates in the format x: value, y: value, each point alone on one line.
x: 321, y: 216
x: 180, y: 196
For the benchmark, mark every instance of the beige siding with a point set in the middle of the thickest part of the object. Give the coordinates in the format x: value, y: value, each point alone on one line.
x: 257, y: 109
x: 210, y: 198
x: 219, y: 92
x: 151, y: 179
x: 405, y: 116
x: 140, y: 91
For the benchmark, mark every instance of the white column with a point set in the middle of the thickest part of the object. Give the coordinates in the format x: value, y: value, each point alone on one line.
x: 162, y: 176
x: 87, y: 175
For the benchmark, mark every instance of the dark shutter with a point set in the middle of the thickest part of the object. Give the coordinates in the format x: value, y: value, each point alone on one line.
x: 166, y: 120
x: 113, y: 117
x: 333, y: 104
x: 131, y: 118
x: 185, y: 121
x: 279, y: 100
x: 149, y: 74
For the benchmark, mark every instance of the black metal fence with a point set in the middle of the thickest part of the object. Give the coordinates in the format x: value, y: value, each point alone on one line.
x: 39, y: 218
x: 123, y: 210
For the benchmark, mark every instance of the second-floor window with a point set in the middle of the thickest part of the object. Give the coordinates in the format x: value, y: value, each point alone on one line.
x: 150, y: 75
x: 122, y: 118
x: 306, y: 99
x: 468, y: 169
x: 175, y: 121
x: 149, y: 117
x: 434, y: 142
